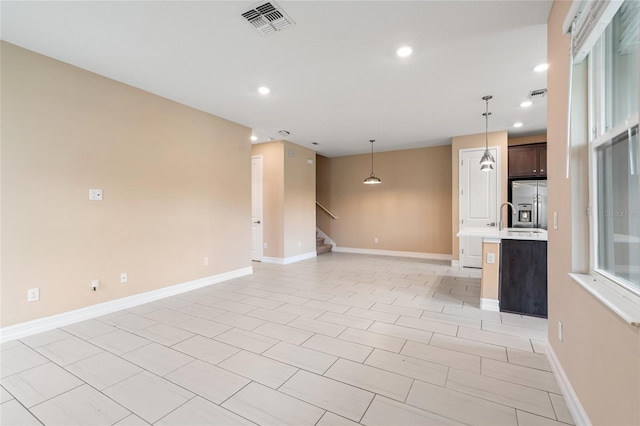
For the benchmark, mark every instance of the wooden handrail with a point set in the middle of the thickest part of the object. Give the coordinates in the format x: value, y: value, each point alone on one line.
x: 325, y: 209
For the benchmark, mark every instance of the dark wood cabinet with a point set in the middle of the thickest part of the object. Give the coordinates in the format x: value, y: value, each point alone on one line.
x: 523, y: 277
x: 528, y: 160
x: 542, y: 159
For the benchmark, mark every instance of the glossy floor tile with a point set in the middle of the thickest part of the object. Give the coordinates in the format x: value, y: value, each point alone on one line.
x: 341, y: 339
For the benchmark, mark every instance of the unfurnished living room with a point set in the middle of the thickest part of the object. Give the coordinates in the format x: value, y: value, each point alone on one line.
x: 385, y: 213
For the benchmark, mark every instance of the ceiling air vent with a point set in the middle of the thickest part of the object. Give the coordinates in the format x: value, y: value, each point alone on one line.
x: 268, y: 18
x: 537, y: 95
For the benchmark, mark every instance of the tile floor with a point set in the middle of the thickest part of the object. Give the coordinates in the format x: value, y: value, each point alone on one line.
x: 339, y: 340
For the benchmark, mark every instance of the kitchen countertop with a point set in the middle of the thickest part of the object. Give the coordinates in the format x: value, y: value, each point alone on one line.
x: 488, y: 234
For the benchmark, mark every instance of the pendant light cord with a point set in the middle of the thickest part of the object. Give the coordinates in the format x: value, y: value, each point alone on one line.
x: 371, y: 158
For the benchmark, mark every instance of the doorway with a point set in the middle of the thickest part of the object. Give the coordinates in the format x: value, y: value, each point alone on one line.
x: 256, y: 209
x: 479, y: 200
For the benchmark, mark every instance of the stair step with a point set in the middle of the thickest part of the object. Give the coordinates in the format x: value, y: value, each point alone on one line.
x: 319, y: 241
x: 323, y: 248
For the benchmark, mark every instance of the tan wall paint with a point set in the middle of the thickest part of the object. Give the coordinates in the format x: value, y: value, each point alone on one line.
x: 409, y: 211
x: 272, y: 196
x: 490, y: 282
x: 526, y: 140
x: 289, y: 194
x: 176, y: 185
x: 473, y: 141
x: 600, y: 353
x: 300, y: 200
x: 323, y: 192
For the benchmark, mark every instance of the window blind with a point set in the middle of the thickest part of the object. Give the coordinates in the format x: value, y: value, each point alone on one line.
x: 586, y: 20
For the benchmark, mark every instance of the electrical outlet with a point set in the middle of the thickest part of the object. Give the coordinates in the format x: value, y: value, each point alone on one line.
x: 555, y: 220
x: 95, y: 283
x: 265, y: 245
x: 491, y: 258
x: 33, y: 295
x: 95, y: 194
x: 299, y: 243
x: 560, y: 331
x: 206, y: 261
x: 375, y: 240
x: 124, y: 277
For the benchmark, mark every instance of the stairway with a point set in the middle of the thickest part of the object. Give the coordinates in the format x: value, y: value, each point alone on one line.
x: 321, y: 247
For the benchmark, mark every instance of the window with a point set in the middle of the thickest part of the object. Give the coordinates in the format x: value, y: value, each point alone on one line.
x: 613, y: 124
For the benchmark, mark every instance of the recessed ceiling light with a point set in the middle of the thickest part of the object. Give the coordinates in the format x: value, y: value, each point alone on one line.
x: 254, y: 138
x: 517, y: 124
x: 315, y: 143
x: 404, y: 51
x: 264, y: 90
x: 526, y: 104
x: 541, y: 67
x: 270, y: 139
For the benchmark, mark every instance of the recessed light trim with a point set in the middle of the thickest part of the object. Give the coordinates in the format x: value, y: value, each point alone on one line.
x: 404, y: 51
x: 541, y: 67
x: 254, y: 138
x: 264, y: 90
x: 518, y: 124
x: 526, y: 104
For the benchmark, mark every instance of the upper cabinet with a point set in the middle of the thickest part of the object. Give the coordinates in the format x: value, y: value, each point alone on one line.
x: 528, y: 160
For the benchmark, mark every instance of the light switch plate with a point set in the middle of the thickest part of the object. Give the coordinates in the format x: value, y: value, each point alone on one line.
x: 491, y: 258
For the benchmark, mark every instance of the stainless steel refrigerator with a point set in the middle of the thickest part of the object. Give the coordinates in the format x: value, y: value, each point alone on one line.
x: 529, y: 197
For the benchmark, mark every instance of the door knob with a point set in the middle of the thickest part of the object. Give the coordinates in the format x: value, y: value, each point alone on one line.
x: 491, y: 224
x: 257, y: 221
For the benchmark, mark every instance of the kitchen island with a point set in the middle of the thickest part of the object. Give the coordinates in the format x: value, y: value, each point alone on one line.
x: 514, y: 269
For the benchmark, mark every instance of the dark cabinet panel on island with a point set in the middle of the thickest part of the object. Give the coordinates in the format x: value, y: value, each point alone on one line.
x: 523, y: 277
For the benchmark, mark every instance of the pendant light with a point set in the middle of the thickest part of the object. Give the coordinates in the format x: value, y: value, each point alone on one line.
x: 372, y: 180
x: 487, y: 161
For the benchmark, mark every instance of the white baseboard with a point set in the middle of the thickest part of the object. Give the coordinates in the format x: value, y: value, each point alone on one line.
x: 490, y: 305
x: 455, y: 264
x: 417, y: 255
x: 288, y: 260
x: 327, y: 240
x: 60, y: 320
x: 573, y: 403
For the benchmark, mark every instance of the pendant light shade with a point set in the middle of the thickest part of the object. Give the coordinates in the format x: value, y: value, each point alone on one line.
x: 372, y: 180
x: 487, y: 161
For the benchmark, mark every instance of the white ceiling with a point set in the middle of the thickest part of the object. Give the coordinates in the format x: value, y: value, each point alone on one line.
x: 334, y: 77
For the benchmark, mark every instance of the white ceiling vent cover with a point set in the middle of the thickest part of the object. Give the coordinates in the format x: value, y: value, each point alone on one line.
x: 538, y: 95
x: 268, y: 17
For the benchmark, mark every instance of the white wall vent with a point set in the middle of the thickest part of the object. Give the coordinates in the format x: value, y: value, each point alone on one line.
x: 268, y: 18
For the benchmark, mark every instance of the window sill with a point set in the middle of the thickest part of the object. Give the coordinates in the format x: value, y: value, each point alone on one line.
x: 622, y: 302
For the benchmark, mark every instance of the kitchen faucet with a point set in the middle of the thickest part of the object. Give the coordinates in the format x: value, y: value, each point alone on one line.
x: 513, y: 210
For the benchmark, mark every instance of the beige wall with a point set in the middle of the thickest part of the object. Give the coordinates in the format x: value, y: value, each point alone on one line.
x: 289, y: 185
x: 410, y: 210
x: 176, y: 185
x: 299, y: 200
x: 526, y: 140
x: 323, y: 192
x: 473, y: 141
x: 600, y: 352
x: 490, y: 282
x: 272, y: 196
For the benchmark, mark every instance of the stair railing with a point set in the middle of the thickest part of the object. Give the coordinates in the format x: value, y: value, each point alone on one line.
x: 325, y: 209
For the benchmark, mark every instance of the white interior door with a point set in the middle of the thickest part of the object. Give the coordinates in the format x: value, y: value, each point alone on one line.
x: 479, y: 198
x: 256, y: 209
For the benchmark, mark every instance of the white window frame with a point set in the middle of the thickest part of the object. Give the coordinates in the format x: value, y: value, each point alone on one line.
x: 619, y: 296
x: 599, y: 134
x: 593, y: 197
